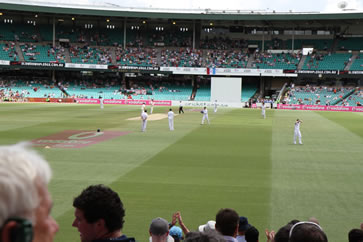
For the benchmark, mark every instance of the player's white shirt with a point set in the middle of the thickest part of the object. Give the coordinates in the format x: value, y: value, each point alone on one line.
x: 297, y: 126
x: 263, y: 108
x: 143, y: 108
x: 205, y: 111
x: 170, y: 115
x: 144, y: 116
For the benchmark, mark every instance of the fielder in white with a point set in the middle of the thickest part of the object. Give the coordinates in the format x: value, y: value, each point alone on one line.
x: 205, y: 115
x: 142, y: 108
x: 263, y: 110
x: 297, y: 132
x: 101, y: 102
x: 144, y: 121
x: 152, y: 106
x: 171, y: 119
x: 215, y: 106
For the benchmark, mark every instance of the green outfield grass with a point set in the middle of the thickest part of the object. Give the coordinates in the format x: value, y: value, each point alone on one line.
x: 240, y: 161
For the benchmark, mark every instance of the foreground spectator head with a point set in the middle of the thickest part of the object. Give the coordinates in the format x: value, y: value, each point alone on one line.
x: 282, y: 234
x: 159, y: 230
x: 243, y: 225
x: 355, y: 235
x: 210, y: 236
x: 210, y: 225
x: 307, y: 232
x: 176, y: 232
x: 25, y: 202
x: 99, y: 214
x: 252, y: 234
x: 227, y: 222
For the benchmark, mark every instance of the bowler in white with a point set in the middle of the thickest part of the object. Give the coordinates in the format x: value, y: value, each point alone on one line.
x: 297, y: 133
x: 205, y: 115
x: 144, y: 121
x: 171, y: 119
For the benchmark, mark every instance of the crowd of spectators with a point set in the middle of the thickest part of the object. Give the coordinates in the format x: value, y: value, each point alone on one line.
x: 183, y: 57
x: 10, y: 49
x: 223, y: 43
x: 44, y: 53
x: 226, y: 59
x: 87, y: 54
x: 316, y: 95
x: 15, y: 90
x: 272, y: 60
x: 136, y: 56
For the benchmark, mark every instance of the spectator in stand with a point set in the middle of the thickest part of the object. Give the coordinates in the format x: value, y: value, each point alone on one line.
x: 177, y: 233
x: 211, y: 236
x: 99, y: 215
x: 252, y: 234
x: 24, y: 197
x: 282, y: 234
x: 355, y: 235
x: 227, y: 221
x: 307, y: 231
x: 209, y: 226
x: 242, y: 228
x: 159, y: 231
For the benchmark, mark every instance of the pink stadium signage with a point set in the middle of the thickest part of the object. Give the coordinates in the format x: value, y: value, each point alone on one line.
x: 319, y: 108
x: 122, y: 101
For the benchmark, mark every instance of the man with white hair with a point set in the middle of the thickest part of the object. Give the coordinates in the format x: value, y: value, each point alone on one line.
x: 25, y: 202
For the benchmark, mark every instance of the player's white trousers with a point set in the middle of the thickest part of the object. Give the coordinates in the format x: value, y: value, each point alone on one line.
x: 297, y: 134
x: 143, y: 125
x: 205, y: 116
x: 171, y: 124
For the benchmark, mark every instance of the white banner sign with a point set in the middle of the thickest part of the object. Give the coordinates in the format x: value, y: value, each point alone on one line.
x: 4, y: 62
x: 86, y: 66
x: 226, y: 71
x: 207, y: 104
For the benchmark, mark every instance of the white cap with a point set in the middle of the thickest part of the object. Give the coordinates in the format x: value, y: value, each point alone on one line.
x: 209, y: 226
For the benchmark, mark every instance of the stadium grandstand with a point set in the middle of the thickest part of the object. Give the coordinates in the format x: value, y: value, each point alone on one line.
x: 172, y: 55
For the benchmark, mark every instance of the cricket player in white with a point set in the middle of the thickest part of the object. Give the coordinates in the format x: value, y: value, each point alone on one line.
x: 297, y: 132
x: 171, y: 119
x: 215, y: 106
x: 142, y: 108
x: 101, y: 102
x: 152, y: 106
x: 144, y: 121
x: 263, y: 112
x: 205, y: 115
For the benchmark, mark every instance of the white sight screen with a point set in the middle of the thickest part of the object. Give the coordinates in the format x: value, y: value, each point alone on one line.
x: 226, y: 89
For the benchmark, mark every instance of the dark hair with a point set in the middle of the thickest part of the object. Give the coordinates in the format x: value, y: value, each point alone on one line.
x: 355, y: 235
x: 252, y: 234
x: 227, y: 221
x: 282, y: 234
x: 307, y: 232
x: 210, y: 236
x: 101, y: 202
x: 176, y: 238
